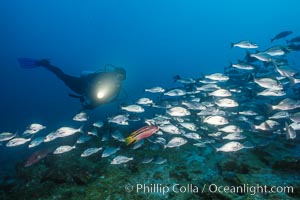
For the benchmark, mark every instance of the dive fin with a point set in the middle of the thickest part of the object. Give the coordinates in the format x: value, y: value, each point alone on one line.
x: 27, y: 63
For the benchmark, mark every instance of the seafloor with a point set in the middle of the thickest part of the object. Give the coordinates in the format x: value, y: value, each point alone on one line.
x: 68, y: 176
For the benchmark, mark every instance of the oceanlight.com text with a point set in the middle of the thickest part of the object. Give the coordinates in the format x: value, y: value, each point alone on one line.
x: 210, y: 188
x: 252, y: 190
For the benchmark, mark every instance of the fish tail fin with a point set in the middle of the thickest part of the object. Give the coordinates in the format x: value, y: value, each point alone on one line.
x: 231, y: 45
x: 269, y: 108
x: 290, y: 132
x: 81, y: 128
x: 17, y: 133
x: 248, y: 145
x: 129, y: 140
x: 286, y: 130
x: 250, y: 77
x: 292, y: 80
x: 272, y: 40
x: 253, y: 127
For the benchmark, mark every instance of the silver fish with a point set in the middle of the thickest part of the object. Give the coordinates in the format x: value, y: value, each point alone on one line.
x: 208, y: 88
x: 248, y: 113
x: 185, y: 80
x: 227, y: 103
x: 203, y: 144
x: 176, y: 142
x: 120, y: 160
x: 231, y: 147
x: 160, y: 140
x: 216, y: 120
x: 34, y: 128
x: 295, y: 126
x: 269, y: 83
x: 285, y: 71
x: 98, y: 124
x: 155, y: 89
x: 16, y: 142
x: 276, y: 51
x: 207, y: 81
x: 36, y: 142
x: 189, y: 125
x: 208, y: 111
x: 191, y: 135
x: 234, y: 136
x: 80, y: 117
x: 133, y: 108
x: 67, y: 131
x: 83, y: 139
x: 193, y: 105
x: 158, y: 120
x: 220, y: 93
x: 144, y: 101
x: 6, y: 136
x: 262, y: 56
x: 267, y: 125
x: 50, y: 137
x: 271, y: 93
x: 200, y: 144
x: 138, y: 144
x: 90, y: 151
x: 280, y: 115
x: 295, y: 117
x: 93, y: 132
x: 160, y: 160
x: 243, y: 66
x: 245, y: 44
x: 216, y: 134
x: 231, y: 129
x: 175, y: 92
x: 287, y: 104
x: 290, y: 132
x: 119, y: 119
x: 217, y: 77
x: 117, y: 135
x: 170, y: 128
x: 178, y: 111
x: 109, y: 151
x: 63, y: 149
x: 147, y: 160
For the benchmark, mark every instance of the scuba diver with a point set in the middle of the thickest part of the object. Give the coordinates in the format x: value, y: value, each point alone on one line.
x: 93, y: 89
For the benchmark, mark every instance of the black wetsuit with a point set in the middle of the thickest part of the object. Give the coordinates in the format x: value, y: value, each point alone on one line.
x: 87, y: 86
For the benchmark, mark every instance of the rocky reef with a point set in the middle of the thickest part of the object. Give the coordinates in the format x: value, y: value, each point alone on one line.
x: 188, y: 169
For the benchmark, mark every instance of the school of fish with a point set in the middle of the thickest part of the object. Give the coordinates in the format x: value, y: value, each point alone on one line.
x: 257, y: 96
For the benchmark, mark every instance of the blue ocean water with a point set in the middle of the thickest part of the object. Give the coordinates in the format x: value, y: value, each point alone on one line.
x: 152, y: 40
